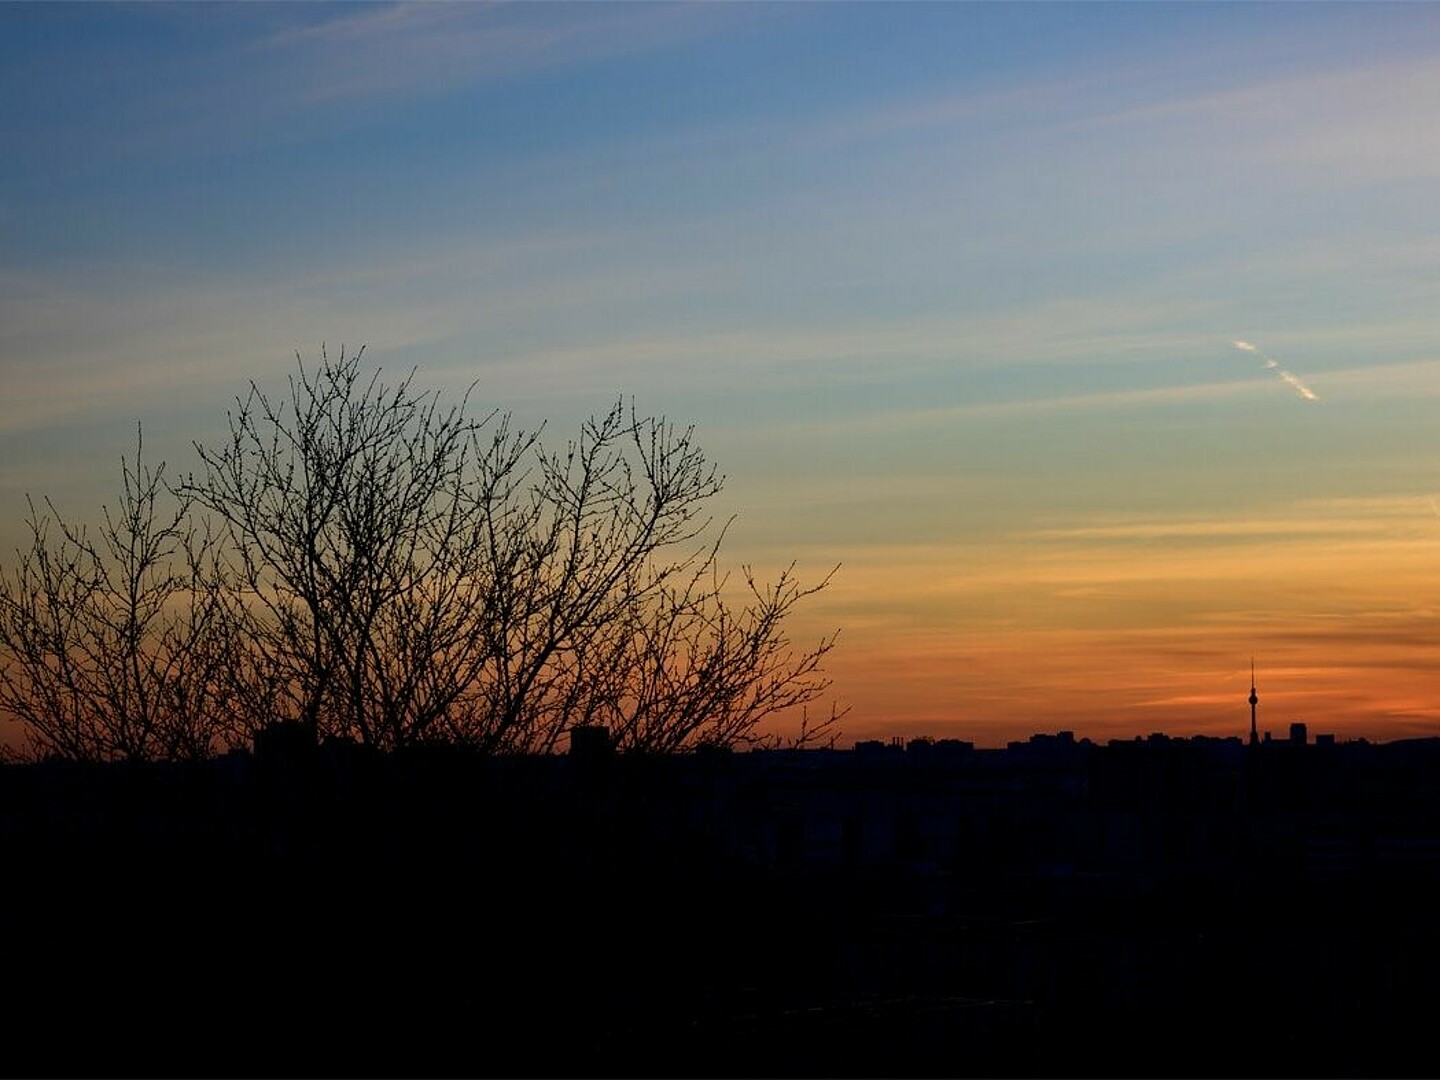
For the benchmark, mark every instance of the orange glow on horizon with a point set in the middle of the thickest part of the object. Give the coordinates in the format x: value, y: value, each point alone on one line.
x: 1114, y: 630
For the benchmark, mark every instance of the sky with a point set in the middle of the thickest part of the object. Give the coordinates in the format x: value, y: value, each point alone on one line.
x: 1097, y: 344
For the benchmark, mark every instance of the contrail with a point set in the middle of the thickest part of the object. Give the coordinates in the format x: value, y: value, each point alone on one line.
x: 1274, y: 365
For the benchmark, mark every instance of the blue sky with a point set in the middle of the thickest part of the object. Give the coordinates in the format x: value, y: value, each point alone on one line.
x: 950, y: 291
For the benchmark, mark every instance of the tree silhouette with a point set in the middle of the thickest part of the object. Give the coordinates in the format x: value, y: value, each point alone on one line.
x: 360, y: 559
x: 115, y: 646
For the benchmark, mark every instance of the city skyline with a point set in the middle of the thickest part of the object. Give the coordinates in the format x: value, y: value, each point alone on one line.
x: 1095, y: 343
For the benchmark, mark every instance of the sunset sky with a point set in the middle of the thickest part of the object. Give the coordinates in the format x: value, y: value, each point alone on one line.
x: 957, y: 295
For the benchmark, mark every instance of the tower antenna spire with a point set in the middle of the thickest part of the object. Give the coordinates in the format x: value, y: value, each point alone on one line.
x: 1254, y: 700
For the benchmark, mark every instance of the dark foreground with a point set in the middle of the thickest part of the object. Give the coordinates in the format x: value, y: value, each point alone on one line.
x: 1164, y: 908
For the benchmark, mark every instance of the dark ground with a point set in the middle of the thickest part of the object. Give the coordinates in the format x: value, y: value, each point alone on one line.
x: 445, y: 920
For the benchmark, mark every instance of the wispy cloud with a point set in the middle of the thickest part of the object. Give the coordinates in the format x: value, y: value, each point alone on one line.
x: 284, y: 73
x: 1292, y: 526
x: 417, y: 47
x: 1366, y: 121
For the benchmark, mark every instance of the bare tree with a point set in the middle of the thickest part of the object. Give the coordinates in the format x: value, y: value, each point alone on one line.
x: 604, y: 525
x: 355, y: 538
x: 113, y: 646
x: 690, y: 662
x: 410, y: 573
x: 386, y: 569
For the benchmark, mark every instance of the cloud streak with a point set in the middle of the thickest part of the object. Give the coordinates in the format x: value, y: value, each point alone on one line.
x: 1287, y: 377
x: 420, y: 48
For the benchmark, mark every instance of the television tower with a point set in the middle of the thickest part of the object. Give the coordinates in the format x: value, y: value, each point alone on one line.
x: 1254, y: 700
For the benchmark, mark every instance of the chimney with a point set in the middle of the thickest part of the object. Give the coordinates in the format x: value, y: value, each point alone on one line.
x: 590, y: 742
